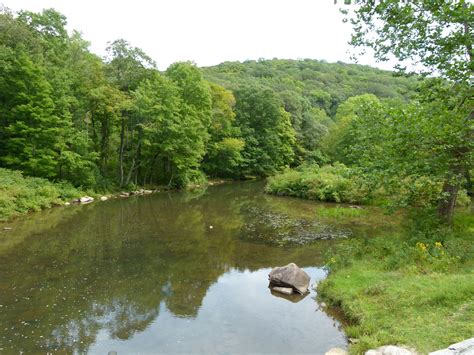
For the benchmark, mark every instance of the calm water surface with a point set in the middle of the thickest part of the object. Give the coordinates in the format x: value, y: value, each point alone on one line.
x: 178, y: 272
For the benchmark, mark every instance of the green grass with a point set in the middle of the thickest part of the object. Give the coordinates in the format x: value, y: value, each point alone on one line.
x: 20, y: 194
x: 397, y: 290
x: 341, y: 212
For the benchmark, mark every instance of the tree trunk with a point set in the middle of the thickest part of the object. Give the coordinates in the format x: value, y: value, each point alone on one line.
x: 122, y: 142
x: 448, y: 202
x: 469, y: 185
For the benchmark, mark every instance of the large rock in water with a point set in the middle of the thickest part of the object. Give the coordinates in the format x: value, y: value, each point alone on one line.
x: 290, y: 276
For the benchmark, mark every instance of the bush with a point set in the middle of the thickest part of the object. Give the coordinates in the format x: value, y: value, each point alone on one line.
x: 20, y: 194
x: 336, y: 183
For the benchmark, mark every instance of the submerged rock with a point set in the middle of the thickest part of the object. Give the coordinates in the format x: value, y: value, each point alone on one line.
x: 290, y: 276
x: 391, y: 350
x: 281, y: 229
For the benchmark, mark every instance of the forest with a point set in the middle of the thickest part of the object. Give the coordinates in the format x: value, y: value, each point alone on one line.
x: 117, y: 122
x: 69, y: 115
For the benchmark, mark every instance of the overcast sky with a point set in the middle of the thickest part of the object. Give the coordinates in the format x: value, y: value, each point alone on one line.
x: 209, y: 32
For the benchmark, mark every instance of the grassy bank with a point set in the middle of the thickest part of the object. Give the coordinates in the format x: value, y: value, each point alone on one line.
x: 414, y: 289
x: 21, y: 194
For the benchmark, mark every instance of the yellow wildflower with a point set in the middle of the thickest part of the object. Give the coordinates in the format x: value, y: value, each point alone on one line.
x: 422, y: 246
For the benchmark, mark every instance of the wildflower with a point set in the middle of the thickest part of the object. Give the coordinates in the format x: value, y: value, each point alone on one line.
x: 422, y: 246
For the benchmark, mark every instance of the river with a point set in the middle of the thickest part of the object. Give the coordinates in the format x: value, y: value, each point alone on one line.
x: 172, y: 272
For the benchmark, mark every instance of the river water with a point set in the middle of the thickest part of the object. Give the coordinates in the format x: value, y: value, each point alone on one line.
x: 172, y: 272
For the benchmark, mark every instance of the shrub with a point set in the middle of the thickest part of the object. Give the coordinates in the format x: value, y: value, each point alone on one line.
x: 20, y: 194
x: 336, y: 183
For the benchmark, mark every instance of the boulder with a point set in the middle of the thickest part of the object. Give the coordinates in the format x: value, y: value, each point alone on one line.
x: 465, y: 347
x: 86, y: 199
x: 391, y: 350
x: 290, y: 276
x: 336, y: 351
x: 104, y: 198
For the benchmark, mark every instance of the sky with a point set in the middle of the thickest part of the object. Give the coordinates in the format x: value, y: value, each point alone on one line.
x: 209, y: 32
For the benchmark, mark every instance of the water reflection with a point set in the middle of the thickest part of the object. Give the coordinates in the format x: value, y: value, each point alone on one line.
x: 148, y: 274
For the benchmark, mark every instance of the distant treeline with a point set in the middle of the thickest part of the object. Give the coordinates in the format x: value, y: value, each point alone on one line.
x: 66, y: 114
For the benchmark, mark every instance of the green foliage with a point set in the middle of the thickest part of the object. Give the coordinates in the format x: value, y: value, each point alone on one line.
x: 266, y: 128
x: 225, y: 158
x: 20, y: 194
x: 66, y: 114
x: 337, y: 143
x: 172, y: 118
x: 310, y: 91
x: 410, y: 148
x: 321, y: 84
x: 224, y: 150
x: 439, y: 36
x: 127, y: 65
x: 336, y: 183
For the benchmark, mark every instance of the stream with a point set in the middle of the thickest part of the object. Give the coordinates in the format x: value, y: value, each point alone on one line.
x: 171, y: 272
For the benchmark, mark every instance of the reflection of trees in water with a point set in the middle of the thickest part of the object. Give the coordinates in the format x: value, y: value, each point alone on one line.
x: 109, y: 267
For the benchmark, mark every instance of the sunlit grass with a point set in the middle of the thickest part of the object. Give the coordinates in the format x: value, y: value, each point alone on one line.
x: 413, y: 289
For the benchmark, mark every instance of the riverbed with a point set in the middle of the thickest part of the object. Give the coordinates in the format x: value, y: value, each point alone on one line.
x: 172, y: 272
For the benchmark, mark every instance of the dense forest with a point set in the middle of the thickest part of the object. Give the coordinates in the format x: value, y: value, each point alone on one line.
x: 67, y: 114
x: 117, y: 122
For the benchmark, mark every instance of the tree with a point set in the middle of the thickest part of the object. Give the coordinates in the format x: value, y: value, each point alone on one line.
x: 127, y: 67
x: 438, y: 35
x: 336, y: 144
x: 172, y: 118
x: 31, y: 132
x: 266, y: 128
x: 224, y: 150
